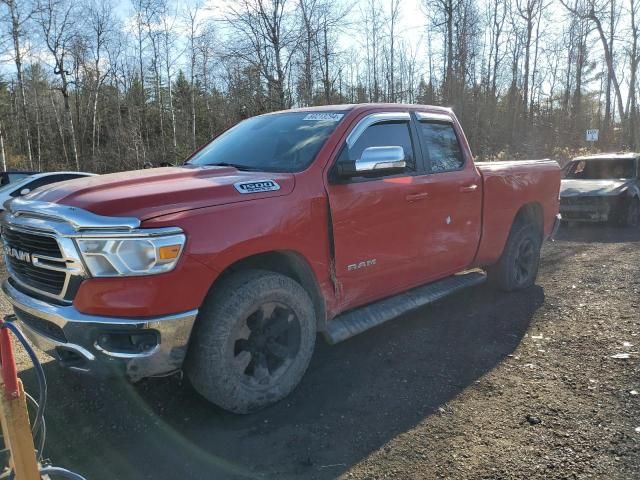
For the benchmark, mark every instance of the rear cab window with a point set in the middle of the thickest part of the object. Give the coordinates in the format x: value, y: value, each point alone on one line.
x: 440, y: 144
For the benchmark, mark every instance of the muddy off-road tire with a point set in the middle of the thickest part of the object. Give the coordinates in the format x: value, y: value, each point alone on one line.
x: 631, y: 216
x: 517, y: 268
x: 252, y: 342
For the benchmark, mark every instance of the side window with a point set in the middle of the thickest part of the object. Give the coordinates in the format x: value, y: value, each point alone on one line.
x: 387, y: 134
x: 63, y: 177
x: 442, y: 148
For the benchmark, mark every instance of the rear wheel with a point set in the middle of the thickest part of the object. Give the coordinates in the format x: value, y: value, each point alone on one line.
x: 252, y: 342
x: 632, y: 217
x: 517, y: 268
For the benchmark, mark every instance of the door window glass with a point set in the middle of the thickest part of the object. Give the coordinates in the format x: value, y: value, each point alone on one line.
x: 442, y: 148
x: 387, y: 134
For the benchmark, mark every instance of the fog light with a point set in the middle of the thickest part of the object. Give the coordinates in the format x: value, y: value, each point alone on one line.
x: 128, y: 343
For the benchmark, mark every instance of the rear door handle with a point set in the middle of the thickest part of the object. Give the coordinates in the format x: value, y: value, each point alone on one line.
x: 469, y: 188
x: 414, y: 197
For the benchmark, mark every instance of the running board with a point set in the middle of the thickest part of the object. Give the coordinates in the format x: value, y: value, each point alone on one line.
x: 361, y: 319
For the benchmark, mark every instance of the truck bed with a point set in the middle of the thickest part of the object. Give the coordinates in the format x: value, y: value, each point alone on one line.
x: 507, y: 186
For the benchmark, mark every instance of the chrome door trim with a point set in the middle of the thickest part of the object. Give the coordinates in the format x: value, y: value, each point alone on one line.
x: 436, y: 117
x: 372, y: 119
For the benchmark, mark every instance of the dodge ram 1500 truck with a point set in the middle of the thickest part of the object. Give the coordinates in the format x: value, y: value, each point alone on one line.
x: 329, y: 220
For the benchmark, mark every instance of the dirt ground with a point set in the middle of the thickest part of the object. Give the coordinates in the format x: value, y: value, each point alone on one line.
x: 481, y: 385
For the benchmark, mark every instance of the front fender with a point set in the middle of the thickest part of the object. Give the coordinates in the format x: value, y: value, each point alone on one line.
x: 221, y: 236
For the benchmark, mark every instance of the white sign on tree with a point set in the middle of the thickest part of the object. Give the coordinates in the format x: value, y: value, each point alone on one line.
x: 592, y: 135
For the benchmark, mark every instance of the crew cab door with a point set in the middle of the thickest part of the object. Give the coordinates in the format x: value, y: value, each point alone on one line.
x: 453, y: 213
x: 377, y: 247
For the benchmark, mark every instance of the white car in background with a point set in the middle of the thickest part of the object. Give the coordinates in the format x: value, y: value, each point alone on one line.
x: 30, y: 183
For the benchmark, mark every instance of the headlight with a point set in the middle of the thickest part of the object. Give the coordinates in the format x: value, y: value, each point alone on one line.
x: 117, y: 257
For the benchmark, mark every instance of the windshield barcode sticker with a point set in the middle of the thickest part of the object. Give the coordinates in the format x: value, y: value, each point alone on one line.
x: 331, y: 117
x: 257, y: 186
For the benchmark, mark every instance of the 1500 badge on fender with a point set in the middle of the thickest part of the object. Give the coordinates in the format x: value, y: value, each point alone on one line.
x: 257, y: 186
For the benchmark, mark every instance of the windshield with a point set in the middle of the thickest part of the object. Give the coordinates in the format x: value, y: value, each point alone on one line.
x: 284, y: 142
x: 9, y: 187
x: 14, y: 177
x: 601, y: 169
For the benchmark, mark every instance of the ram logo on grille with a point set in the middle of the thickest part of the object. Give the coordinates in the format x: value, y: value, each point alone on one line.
x: 17, y: 254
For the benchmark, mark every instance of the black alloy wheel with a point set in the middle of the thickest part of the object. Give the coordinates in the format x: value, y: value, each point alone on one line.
x: 266, y: 344
x: 633, y: 213
x: 525, y: 261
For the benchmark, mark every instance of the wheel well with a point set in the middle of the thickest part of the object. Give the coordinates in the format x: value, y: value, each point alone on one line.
x: 287, y: 263
x: 530, y: 213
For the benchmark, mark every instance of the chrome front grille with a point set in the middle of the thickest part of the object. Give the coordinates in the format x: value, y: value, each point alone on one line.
x: 41, y: 262
x: 30, y: 242
x: 49, y: 281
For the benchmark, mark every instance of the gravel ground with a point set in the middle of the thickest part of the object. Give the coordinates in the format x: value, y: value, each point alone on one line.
x: 481, y: 385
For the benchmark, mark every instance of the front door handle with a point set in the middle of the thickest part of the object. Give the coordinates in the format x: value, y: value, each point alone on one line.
x: 469, y: 188
x: 414, y: 197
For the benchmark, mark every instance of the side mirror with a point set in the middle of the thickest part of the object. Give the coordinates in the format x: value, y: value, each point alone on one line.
x: 375, y: 160
x: 24, y: 191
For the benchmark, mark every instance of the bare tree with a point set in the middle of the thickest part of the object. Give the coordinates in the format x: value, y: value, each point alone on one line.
x: 101, y: 26
x: 592, y: 10
x: 528, y: 10
x: 168, y: 22
x: 19, y: 15
x: 3, y: 155
x: 266, y: 38
x: 394, y: 15
x: 194, y: 25
x: 58, y: 21
x: 523, y: 79
x: 634, y: 61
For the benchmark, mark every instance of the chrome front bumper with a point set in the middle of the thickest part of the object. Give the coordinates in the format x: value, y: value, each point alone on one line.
x: 74, y: 338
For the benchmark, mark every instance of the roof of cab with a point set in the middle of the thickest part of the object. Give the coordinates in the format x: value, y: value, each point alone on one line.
x: 347, y: 107
x: 609, y: 156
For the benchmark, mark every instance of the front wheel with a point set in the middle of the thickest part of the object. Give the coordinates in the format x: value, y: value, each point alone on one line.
x: 252, y: 342
x: 517, y: 268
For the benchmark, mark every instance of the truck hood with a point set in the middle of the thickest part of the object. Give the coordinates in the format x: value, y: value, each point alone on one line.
x: 592, y: 188
x: 145, y: 194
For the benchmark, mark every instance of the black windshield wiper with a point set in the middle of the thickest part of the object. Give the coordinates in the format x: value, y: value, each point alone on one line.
x: 237, y: 166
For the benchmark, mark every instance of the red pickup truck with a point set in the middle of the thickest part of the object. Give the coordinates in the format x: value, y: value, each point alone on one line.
x: 329, y: 220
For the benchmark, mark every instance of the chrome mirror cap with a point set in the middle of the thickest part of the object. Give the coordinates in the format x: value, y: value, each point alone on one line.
x: 376, y: 159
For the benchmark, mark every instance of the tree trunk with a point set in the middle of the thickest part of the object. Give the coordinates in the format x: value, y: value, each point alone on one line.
x: 15, y: 33
x: 609, y: 59
x: 449, y: 68
x: 634, y: 60
x: 170, y: 92
x: 326, y: 77
x: 60, y: 130
x: 72, y: 132
x: 36, y: 97
x: 3, y: 157
x: 607, y: 100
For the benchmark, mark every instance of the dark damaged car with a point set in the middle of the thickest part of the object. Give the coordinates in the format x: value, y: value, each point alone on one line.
x: 602, y: 188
